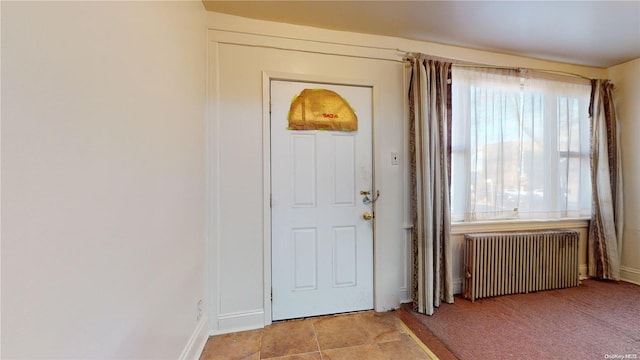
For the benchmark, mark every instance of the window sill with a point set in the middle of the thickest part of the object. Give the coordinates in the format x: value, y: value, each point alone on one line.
x: 458, y: 228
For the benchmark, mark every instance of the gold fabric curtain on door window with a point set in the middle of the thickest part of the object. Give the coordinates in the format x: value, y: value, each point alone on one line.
x: 321, y: 109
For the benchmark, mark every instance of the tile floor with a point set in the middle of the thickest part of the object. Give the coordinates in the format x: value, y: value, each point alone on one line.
x: 365, y: 335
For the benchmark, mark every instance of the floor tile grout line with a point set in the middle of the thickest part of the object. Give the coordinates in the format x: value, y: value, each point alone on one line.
x: 290, y: 355
x: 260, y: 344
x: 353, y: 346
x: 315, y: 335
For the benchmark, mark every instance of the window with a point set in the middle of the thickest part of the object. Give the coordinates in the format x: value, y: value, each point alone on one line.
x: 519, y: 146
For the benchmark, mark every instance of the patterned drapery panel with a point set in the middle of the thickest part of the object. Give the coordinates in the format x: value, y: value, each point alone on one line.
x: 429, y: 147
x: 605, y: 230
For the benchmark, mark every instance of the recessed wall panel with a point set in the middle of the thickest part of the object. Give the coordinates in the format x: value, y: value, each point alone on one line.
x: 343, y: 157
x: 305, y: 259
x: 303, y: 169
x: 344, y: 259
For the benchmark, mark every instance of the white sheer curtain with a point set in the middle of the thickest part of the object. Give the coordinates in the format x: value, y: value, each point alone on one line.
x: 520, y: 146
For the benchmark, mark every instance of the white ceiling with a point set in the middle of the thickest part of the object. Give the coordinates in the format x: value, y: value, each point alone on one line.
x: 594, y: 33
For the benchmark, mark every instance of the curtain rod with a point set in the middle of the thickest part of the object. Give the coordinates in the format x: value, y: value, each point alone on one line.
x: 408, y: 56
x: 555, y: 72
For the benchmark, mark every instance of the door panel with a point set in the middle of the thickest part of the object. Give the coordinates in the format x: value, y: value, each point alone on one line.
x: 322, y: 248
x: 303, y: 153
x: 345, y: 256
x: 305, y: 264
x: 343, y: 181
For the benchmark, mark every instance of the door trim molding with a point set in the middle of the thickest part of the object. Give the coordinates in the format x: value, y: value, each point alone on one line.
x: 267, y: 77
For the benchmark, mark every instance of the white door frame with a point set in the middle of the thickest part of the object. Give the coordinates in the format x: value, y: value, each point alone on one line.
x: 267, y: 77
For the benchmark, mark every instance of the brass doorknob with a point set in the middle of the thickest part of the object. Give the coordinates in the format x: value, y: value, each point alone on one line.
x: 367, y: 216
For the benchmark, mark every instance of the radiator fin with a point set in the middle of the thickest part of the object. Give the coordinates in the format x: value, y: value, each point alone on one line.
x: 519, y: 262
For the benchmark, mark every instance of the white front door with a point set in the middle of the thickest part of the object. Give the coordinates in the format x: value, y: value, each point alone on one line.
x: 322, y: 247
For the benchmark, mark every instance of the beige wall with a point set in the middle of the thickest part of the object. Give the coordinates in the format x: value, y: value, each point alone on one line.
x: 102, y: 179
x: 626, y: 78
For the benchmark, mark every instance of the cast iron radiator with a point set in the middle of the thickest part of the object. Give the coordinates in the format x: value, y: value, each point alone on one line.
x: 519, y: 262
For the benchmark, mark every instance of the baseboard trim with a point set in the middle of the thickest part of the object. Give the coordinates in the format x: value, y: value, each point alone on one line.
x: 404, y: 295
x: 197, y: 341
x: 240, y: 321
x: 630, y: 275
